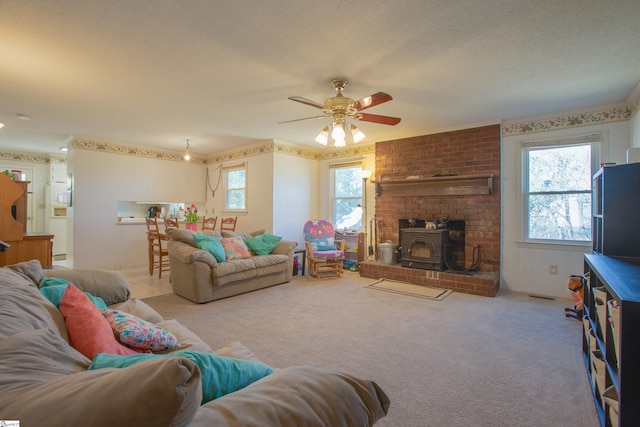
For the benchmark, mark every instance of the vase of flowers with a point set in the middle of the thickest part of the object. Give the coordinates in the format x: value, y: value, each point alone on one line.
x: 191, y: 217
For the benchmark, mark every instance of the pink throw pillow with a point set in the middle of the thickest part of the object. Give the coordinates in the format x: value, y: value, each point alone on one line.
x: 89, y: 331
x: 235, y: 248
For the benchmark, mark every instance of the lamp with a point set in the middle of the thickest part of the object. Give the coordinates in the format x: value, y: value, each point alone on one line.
x: 187, y: 155
x: 365, y: 174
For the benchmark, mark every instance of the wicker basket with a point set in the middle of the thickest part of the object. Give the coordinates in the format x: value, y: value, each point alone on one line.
x: 614, y: 320
x: 610, y: 397
x: 600, y: 299
x: 598, y: 370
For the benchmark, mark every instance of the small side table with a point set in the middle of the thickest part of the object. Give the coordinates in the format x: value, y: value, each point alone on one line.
x: 302, y: 251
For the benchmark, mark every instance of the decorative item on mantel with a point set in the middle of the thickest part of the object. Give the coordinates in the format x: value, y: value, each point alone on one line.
x: 191, y: 217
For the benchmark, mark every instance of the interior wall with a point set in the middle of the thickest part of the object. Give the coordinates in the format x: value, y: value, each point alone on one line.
x: 260, y: 187
x: 100, y: 181
x: 295, y: 194
x: 525, y: 267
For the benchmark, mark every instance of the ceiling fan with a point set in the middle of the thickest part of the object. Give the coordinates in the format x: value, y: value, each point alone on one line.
x: 339, y: 108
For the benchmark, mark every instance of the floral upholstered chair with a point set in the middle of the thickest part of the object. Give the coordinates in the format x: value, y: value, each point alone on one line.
x: 324, y: 254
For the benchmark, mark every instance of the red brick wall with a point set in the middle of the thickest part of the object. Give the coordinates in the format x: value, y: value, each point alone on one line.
x: 465, y: 152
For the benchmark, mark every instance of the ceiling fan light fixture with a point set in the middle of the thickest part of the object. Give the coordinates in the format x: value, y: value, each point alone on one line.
x: 323, y: 136
x: 338, y: 132
x: 357, y: 134
x: 339, y: 142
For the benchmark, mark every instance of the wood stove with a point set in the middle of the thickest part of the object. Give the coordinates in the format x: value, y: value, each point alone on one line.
x: 423, y: 248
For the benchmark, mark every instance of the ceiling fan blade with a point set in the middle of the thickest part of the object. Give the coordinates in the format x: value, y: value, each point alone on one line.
x: 306, y: 101
x: 372, y: 101
x: 305, y: 118
x: 374, y: 118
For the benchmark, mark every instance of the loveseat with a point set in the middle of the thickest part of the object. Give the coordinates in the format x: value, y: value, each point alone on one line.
x: 44, y: 380
x: 197, y: 275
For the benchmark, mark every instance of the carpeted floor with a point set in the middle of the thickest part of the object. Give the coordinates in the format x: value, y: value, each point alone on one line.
x: 512, y: 360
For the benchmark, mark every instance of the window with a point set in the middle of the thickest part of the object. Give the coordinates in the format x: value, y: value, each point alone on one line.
x: 557, y: 189
x: 235, y: 182
x: 346, y: 185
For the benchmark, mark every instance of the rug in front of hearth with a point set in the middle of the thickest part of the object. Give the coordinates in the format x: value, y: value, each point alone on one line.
x: 410, y: 289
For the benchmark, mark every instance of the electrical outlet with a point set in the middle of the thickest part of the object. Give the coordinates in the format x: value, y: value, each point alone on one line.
x: 553, y: 269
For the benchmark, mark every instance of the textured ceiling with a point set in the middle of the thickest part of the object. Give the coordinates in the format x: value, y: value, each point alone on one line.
x: 158, y: 72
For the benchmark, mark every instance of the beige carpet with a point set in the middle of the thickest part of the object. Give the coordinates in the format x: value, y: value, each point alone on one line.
x: 409, y: 289
x: 512, y: 360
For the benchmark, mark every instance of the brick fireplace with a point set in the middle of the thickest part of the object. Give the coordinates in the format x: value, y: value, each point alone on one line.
x: 452, y: 176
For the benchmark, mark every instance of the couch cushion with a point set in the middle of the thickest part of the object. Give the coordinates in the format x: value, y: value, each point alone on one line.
x: 299, y: 396
x: 187, y: 339
x: 23, y: 308
x: 141, y: 309
x: 137, y: 333
x: 89, y: 331
x: 111, y: 286
x: 219, y: 375
x: 162, y: 392
x: 210, y: 244
x: 238, y: 351
x: 262, y: 244
x: 35, y: 356
x: 245, y: 234
x: 54, y: 294
x: 239, y: 268
x: 29, y: 269
x: 235, y: 248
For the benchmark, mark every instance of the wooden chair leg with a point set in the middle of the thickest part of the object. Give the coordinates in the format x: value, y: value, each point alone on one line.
x: 150, y: 259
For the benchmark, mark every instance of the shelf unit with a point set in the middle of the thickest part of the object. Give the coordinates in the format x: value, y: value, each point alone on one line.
x: 611, y: 333
x: 616, y: 197
x: 618, y: 374
x: 355, y: 246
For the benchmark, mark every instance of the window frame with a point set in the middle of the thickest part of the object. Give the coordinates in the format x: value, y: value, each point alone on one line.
x: 333, y: 198
x: 225, y: 179
x: 595, y: 140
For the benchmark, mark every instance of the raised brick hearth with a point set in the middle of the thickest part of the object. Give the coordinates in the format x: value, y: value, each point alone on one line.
x: 453, y: 176
x: 485, y: 284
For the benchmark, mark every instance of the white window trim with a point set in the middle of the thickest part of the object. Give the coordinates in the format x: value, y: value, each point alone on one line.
x: 332, y: 195
x: 225, y: 170
x: 601, y: 145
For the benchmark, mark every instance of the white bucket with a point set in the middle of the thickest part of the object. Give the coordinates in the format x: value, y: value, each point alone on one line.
x: 388, y: 252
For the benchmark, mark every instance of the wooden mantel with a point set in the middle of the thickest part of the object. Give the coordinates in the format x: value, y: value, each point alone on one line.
x: 444, y: 185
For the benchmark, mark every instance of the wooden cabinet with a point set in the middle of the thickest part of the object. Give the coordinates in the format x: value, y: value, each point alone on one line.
x: 32, y: 246
x: 13, y: 226
x: 611, y: 337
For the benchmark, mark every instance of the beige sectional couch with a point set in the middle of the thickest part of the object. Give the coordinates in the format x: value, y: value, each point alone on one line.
x: 44, y: 380
x: 197, y: 276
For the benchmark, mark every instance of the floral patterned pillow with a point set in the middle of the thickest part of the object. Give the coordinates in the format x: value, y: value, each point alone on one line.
x: 235, y: 248
x: 138, y: 333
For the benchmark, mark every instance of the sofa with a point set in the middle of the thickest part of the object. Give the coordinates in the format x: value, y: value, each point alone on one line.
x: 197, y: 275
x: 44, y: 380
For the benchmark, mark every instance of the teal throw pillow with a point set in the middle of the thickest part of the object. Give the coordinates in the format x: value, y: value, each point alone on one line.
x: 263, y: 244
x: 220, y: 375
x: 210, y: 244
x: 54, y: 294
